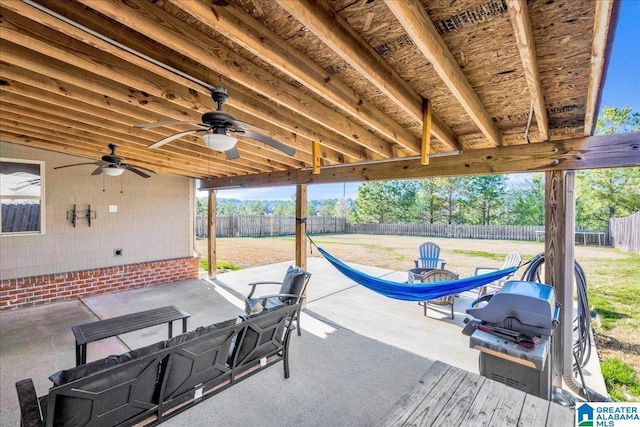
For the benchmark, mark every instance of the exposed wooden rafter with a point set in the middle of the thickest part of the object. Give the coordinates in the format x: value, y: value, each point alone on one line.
x: 421, y: 30
x: 605, y: 9
x: 243, y: 29
x: 143, y: 16
x: 78, y: 74
x: 322, y: 20
x: 519, y: 13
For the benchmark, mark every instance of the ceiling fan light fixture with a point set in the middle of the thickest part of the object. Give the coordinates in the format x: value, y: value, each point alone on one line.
x: 219, y: 141
x: 113, y: 171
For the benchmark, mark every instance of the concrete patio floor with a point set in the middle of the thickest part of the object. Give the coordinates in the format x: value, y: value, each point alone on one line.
x: 358, y: 354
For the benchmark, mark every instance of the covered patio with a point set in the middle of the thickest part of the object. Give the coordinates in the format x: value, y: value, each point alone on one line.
x: 253, y: 93
x: 359, y: 352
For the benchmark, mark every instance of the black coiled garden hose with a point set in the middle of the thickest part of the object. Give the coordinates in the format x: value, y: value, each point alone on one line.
x: 581, y: 327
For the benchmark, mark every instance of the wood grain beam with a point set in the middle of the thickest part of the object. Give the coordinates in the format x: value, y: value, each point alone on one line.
x: 418, y: 25
x: 335, y: 32
x: 166, y: 29
x: 521, y: 23
x: 212, y: 210
x: 255, y: 152
x: 554, y: 249
x: 47, y: 143
x: 594, y: 152
x: 316, y: 157
x: 301, y: 226
x: 77, y: 142
x: 243, y: 29
x: 426, y: 131
x: 606, y: 12
x: 40, y: 92
x: 240, y: 102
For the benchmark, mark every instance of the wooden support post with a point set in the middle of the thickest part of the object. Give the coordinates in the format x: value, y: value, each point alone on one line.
x: 554, y: 267
x: 426, y: 132
x: 316, y: 157
x: 565, y: 329
x: 301, y: 225
x: 211, y: 234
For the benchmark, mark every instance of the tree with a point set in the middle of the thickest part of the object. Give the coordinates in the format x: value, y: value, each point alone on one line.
x: 384, y: 202
x: 527, y: 205
x: 617, y: 120
x: 343, y: 208
x: 328, y: 208
x: 484, y: 197
x: 429, y: 201
x: 256, y: 207
x: 451, y: 190
x: 202, y: 206
x: 607, y: 193
x: 228, y: 207
x: 287, y: 207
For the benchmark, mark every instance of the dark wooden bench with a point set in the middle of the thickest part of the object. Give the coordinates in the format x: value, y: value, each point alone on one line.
x: 107, y: 328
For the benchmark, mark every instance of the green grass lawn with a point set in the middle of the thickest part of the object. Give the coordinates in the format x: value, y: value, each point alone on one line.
x: 614, y: 295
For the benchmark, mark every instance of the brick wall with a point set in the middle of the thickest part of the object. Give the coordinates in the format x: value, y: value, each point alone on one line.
x: 38, y: 290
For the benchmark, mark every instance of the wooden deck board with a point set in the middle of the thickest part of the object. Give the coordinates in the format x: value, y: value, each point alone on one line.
x: 437, y: 399
x: 560, y: 416
x: 460, y: 401
x: 534, y: 412
x: 446, y: 395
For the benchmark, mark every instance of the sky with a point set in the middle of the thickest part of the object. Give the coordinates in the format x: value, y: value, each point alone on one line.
x: 621, y: 88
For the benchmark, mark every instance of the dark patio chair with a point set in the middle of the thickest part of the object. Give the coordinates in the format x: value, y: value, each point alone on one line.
x: 292, y: 291
x: 439, y: 303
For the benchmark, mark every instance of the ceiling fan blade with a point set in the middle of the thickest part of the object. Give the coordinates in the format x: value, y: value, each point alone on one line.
x: 173, y: 137
x: 136, y: 171
x: 98, y: 170
x: 232, y: 153
x: 166, y: 123
x: 239, y: 125
x: 272, y: 142
x: 77, y: 164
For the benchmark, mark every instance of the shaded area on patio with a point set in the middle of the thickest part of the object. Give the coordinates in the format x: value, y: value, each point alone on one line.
x: 358, y: 353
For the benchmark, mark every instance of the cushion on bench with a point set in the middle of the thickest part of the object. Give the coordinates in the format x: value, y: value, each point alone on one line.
x: 118, y: 394
x: 72, y: 374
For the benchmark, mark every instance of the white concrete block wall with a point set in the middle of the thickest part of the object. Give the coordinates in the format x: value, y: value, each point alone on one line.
x: 154, y: 219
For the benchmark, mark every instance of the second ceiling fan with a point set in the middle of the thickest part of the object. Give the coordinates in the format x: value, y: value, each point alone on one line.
x: 218, y: 129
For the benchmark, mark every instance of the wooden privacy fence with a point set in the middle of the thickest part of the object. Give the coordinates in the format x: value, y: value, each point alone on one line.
x: 267, y: 225
x: 270, y: 225
x: 495, y: 232
x: 625, y: 233
x: 18, y: 217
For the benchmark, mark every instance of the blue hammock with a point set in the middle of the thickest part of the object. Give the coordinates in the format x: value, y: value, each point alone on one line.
x: 415, y: 292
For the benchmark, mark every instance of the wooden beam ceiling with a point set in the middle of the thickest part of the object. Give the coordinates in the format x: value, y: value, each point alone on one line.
x: 143, y: 16
x: 575, y: 154
x: 322, y: 20
x: 244, y: 30
x: 343, y: 83
x: 421, y: 30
